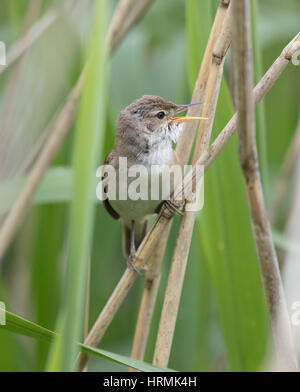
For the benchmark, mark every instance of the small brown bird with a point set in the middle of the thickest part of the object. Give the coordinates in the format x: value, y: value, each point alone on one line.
x: 146, y: 133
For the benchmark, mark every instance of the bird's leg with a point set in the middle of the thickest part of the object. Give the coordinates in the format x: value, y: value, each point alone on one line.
x: 133, y: 257
x: 173, y: 208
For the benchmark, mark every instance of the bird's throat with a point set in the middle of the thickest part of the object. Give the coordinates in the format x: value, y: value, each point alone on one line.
x: 159, y: 149
x: 159, y: 154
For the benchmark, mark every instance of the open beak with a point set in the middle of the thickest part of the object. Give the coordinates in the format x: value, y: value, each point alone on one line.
x: 186, y: 118
x: 183, y: 119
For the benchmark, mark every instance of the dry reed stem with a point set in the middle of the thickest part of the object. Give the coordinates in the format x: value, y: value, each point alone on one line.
x: 59, y: 129
x: 14, y: 76
x: 262, y: 88
x: 207, y: 158
x: 29, y: 38
x: 123, y: 287
x: 133, y: 18
x: 152, y: 280
x: 243, y: 82
x: 183, y: 151
x: 184, y: 147
x: 182, y: 246
x: 32, y: 14
x: 123, y: 8
x: 31, y: 157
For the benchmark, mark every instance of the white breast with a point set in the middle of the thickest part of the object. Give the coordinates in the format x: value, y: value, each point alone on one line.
x: 156, y: 159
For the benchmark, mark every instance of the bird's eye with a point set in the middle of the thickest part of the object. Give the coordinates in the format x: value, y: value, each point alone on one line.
x: 160, y: 115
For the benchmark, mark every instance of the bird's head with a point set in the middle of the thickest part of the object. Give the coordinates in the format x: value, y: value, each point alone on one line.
x: 156, y: 116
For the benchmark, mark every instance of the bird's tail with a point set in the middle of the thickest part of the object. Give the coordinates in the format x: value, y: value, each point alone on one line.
x: 140, y: 230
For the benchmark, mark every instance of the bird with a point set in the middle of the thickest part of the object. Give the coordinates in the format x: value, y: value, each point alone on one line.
x: 147, y: 130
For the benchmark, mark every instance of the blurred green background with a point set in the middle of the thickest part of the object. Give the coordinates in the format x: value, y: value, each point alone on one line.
x: 222, y: 323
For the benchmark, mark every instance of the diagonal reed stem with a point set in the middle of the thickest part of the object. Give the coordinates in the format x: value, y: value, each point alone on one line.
x: 133, y: 18
x: 58, y: 131
x: 152, y: 280
x: 123, y: 8
x: 29, y: 38
x: 183, y: 151
x: 243, y: 83
x: 181, y: 252
x: 10, y: 91
x: 207, y: 158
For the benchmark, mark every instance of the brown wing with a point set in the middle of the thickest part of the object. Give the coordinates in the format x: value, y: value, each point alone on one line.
x: 106, y: 203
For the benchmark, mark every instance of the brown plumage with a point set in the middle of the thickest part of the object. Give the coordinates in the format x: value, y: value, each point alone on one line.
x: 145, y: 134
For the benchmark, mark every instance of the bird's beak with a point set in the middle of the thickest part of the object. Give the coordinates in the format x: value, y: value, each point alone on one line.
x: 186, y: 118
x: 183, y: 119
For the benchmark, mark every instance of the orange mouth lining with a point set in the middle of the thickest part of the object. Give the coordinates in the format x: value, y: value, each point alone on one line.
x: 183, y: 119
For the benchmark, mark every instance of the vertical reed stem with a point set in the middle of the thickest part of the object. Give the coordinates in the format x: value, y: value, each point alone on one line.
x: 243, y: 81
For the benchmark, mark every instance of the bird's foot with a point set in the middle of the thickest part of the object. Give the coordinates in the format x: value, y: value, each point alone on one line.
x: 132, y: 259
x: 173, y: 208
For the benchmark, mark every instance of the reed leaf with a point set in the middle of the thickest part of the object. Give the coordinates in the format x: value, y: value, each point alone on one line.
x: 87, y: 147
x: 20, y: 326
x: 229, y: 255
